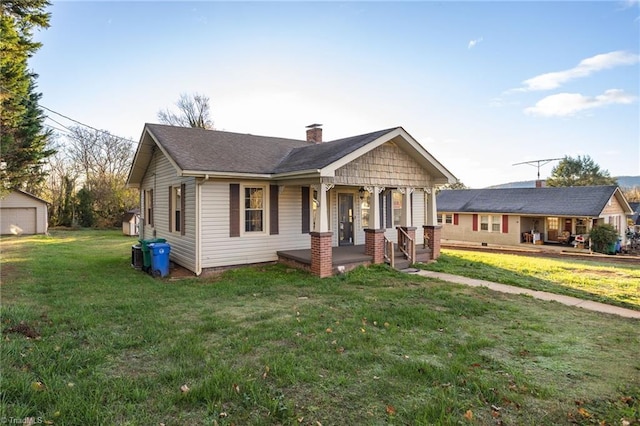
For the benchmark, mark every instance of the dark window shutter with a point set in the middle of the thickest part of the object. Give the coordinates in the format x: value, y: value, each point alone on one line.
x: 389, y: 209
x: 273, y: 209
x: 305, y: 206
x: 475, y: 222
x: 183, y: 196
x: 505, y: 224
x: 234, y: 210
x: 171, y: 220
x: 455, y: 218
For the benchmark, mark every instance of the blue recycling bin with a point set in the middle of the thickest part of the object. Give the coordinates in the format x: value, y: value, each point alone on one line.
x: 159, y: 259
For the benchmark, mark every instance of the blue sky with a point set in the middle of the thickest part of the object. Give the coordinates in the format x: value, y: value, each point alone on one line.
x: 481, y: 85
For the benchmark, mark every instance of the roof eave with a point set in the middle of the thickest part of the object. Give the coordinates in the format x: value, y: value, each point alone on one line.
x: 221, y: 175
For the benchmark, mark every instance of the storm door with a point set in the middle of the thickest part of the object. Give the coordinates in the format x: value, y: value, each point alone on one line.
x: 345, y: 219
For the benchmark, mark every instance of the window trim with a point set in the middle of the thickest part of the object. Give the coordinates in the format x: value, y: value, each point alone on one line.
x: 396, y: 194
x: 176, y: 225
x: 148, y: 207
x: 492, y: 221
x: 366, y: 199
x: 265, y: 210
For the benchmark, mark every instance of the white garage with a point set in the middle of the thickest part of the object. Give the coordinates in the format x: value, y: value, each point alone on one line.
x: 22, y: 213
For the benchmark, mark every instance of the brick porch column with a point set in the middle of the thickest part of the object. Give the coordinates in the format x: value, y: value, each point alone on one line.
x: 321, y: 256
x: 433, y: 233
x: 374, y: 244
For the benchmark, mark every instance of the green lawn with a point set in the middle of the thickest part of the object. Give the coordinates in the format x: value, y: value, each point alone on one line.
x: 601, y: 281
x: 87, y: 340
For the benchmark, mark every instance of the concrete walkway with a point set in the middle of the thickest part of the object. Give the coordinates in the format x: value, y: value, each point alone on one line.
x: 543, y: 295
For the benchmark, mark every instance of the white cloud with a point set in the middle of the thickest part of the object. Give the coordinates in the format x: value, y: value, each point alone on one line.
x: 473, y: 43
x: 585, y: 68
x: 568, y: 104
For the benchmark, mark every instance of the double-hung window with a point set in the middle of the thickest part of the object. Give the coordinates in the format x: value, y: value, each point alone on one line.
x: 365, y: 208
x: 397, y: 208
x: 484, y: 223
x: 254, y: 209
x: 148, y: 205
x: 176, y: 203
x: 490, y: 223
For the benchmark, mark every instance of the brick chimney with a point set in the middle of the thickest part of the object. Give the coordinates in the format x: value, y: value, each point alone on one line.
x: 541, y: 183
x: 314, y: 133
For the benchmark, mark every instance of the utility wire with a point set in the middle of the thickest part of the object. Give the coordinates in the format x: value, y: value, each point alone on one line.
x: 68, y: 130
x: 66, y: 117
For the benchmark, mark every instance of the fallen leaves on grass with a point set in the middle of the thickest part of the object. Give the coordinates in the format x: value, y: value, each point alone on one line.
x: 37, y: 386
x: 391, y: 410
x: 468, y: 415
x: 184, y: 388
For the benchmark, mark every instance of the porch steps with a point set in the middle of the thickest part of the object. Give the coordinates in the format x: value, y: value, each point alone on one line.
x: 402, y: 263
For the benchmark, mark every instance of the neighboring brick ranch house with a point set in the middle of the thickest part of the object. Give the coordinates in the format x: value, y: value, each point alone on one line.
x: 516, y: 215
x: 23, y: 213
x: 223, y: 199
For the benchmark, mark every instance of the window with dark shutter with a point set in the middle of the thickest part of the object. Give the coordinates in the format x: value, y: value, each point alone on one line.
x: 455, y: 219
x: 234, y: 210
x: 475, y: 222
x: 305, y: 208
x: 273, y: 209
x: 505, y: 224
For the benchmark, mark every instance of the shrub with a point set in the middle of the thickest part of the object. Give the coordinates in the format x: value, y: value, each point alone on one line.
x: 602, y: 237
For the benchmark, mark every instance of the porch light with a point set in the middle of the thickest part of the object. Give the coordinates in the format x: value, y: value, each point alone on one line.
x: 361, y: 191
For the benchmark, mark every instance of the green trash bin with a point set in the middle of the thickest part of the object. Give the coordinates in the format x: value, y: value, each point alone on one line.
x: 146, y: 252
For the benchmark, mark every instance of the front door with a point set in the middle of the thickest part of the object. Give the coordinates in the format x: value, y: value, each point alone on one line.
x: 345, y: 219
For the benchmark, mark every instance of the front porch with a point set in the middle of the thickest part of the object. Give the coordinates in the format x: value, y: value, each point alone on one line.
x: 346, y: 258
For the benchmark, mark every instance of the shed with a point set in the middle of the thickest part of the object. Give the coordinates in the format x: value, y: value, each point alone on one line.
x: 130, y: 222
x: 23, y: 213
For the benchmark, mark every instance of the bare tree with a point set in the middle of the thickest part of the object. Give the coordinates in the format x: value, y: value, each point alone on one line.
x: 98, y: 154
x: 102, y: 163
x: 193, y: 112
x: 59, y: 187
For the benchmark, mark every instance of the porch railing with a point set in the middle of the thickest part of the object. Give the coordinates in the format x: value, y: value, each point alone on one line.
x: 425, y: 240
x: 407, y: 245
x: 389, y: 254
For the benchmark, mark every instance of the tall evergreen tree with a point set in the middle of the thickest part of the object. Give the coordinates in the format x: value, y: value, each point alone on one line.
x: 23, y: 138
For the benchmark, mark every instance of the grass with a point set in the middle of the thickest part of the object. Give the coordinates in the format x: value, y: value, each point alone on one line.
x: 271, y: 345
x: 615, y: 284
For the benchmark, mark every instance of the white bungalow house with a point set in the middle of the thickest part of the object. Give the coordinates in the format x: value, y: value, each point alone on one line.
x: 23, y: 213
x: 223, y: 199
x: 530, y: 215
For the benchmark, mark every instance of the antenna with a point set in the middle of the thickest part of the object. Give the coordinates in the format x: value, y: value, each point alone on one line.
x: 538, y: 163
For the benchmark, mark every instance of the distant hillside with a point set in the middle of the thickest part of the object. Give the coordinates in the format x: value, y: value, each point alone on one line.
x: 623, y: 182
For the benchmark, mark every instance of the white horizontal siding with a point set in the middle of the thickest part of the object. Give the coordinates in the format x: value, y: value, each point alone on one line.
x: 160, y: 176
x: 218, y: 249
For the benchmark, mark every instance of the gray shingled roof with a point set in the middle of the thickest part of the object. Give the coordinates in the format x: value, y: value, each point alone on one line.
x: 320, y: 155
x: 587, y: 201
x: 218, y: 151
